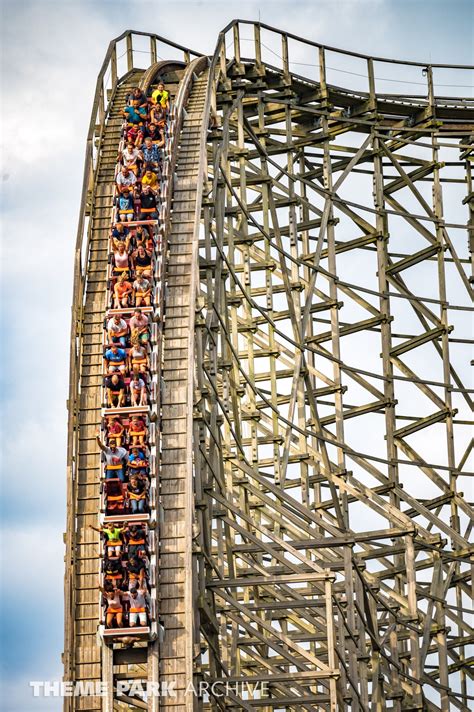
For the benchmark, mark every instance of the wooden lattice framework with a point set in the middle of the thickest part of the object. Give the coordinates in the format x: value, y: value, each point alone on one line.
x: 331, y: 431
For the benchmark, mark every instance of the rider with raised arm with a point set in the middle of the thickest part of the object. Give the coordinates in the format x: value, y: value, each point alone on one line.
x: 115, y: 459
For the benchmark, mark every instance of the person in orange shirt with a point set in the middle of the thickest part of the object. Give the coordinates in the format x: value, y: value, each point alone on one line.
x: 122, y: 291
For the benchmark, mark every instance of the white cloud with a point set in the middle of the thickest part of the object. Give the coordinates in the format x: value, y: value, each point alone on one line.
x: 31, y: 561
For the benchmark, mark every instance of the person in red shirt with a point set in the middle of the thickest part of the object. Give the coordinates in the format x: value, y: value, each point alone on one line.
x: 115, y: 429
x: 137, y: 431
x: 134, y: 135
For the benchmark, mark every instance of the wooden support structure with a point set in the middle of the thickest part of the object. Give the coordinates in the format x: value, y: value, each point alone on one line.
x: 314, y: 518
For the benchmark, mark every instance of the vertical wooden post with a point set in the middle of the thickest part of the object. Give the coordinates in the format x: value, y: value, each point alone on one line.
x: 236, y: 33
x: 223, y: 61
x: 437, y: 196
x: 258, y: 46
x: 107, y: 678
x: 414, y: 663
x: 113, y: 65
x: 322, y: 74
x: 331, y: 644
x: 129, y: 52
x: 153, y: 52
x: 286, y: 61
x: 371, y: 77
x: 429, y: 80
x: 153, y: 670
x: 101, y: 106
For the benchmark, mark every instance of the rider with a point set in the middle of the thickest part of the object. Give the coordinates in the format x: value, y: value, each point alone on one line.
x: 117, y: 330
x: 151, y: 153
x: 131, y: 157
x: 114, y: 606
x: 115, y: 429
x: 148, y: 204
x: 142, y: 290
x: 115, y: 387
x: 142, y: 260
x: 137, y: 599
x: 113, y: 570
x: 150, y: 178
x: 136, y: 572
x: 135, y: 114
x: 139, y: 326
x: 138, y: 395
x: 122, y: 291
x: 136, y: 544
x: 115, y: 458
x: 161, y: 96
x: 137, y: 494
x: 113, y: 534
x: 115, y: 359
x: 125, y: 205
x: 126, y: 179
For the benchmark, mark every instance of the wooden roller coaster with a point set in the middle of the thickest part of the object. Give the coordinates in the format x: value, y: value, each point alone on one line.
x: 309, y: 524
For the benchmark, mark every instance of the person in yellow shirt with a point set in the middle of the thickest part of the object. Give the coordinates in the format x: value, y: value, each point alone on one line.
x: 150, y: 178
x: 161, y: 96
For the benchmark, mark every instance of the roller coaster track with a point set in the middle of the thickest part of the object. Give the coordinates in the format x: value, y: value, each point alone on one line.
x: 313, y: 524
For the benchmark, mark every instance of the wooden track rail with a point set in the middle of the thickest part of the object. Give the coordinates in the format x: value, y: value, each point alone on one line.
x: 176, y: 600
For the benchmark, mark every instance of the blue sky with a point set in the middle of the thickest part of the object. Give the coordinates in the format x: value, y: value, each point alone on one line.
x: 51, y: 53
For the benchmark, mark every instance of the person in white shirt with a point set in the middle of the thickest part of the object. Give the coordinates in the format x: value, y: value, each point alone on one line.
x: 138, y: 390
x: 137, y: 598
x: 131, y: 157
x: 125, y: 179
x: 117, y: 330
x: 115, y: 459
x: 142, y: 289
